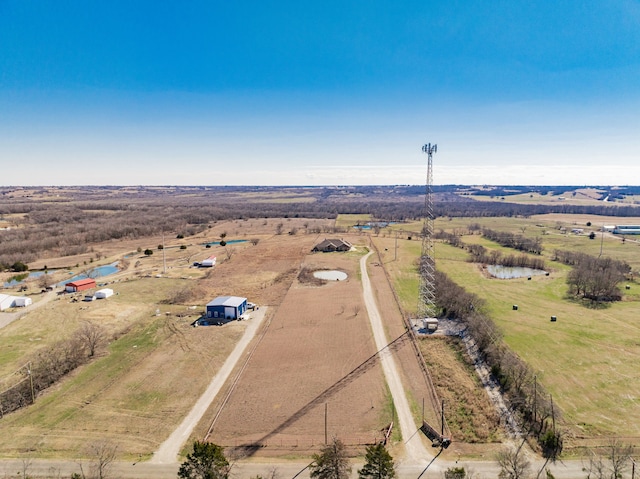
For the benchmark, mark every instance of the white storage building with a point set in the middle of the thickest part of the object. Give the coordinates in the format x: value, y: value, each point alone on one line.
x: 104, y: 293
x: 210, y: 262
x: 22, y: 301
x: 7, y: 301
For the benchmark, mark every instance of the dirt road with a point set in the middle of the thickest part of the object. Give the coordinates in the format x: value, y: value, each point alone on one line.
x: 168, y: 451
x: 415, y: 450
x: 7, y: 318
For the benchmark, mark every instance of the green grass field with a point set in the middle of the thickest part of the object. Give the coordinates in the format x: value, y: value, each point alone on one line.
x: 347, y: 221
x: 588, y: 359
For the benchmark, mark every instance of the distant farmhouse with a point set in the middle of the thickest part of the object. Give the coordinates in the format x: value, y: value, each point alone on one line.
x: 331, y: 245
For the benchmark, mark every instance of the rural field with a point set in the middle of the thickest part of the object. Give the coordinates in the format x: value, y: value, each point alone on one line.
x: 587, y: 359
x: 296, y: 386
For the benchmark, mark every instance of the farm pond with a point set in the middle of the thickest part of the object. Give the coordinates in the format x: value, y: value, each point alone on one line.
x: 512, y: 272
x: 330, y: 275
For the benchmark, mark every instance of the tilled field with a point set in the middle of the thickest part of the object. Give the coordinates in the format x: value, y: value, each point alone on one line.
x: 298, y: 383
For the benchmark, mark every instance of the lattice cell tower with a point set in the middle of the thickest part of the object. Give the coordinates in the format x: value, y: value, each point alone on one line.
x: 427, y: 292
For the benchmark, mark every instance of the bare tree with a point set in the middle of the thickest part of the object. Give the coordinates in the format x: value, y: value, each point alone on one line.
x: 513, y: 464
x: 91, y: 336
x: 44, y: 281
x: 102, y: 455
x: 229, y: 251
x: 254, y: 241
x: 356, y: 309
x: 611, y: 463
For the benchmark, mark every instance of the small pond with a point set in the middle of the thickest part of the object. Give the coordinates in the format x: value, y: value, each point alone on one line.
x: 373, y: 224
x: 511, y: 272
x: 330, y: 275
x: 33, y: 274
x: 213, y: 243
x: 94, y: 273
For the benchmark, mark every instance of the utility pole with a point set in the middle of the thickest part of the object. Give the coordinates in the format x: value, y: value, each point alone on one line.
x: 33, y: 396
x: 164, y: 258
x: 325, y: 424
x: 535, y: 397
x: 395, y: 249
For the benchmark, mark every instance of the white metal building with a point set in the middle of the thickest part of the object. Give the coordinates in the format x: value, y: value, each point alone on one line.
x: 104, y: 293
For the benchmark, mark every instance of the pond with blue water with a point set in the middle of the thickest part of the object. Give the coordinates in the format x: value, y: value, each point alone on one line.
x: 94, y: 273
x: 215, y: 243
x: 97, y: 272
x: 374, y: 224
x: 34, y: 274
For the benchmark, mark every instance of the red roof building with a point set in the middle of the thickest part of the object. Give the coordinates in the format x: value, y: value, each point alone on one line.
x: 80, y: 285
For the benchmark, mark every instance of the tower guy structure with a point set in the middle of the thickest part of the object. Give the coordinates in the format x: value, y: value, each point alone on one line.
x: 427, y: 291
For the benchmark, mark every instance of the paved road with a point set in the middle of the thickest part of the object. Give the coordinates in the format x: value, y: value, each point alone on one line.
x: 416, y: 453
x: 168, y: 451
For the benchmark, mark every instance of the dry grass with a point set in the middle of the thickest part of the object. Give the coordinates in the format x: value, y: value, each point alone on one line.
x: 469, y: 413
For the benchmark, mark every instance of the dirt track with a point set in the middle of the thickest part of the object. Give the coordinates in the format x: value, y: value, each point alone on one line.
x: 415, y: 450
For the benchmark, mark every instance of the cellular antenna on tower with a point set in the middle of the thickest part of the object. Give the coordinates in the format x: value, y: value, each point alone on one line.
x: 427, y: 292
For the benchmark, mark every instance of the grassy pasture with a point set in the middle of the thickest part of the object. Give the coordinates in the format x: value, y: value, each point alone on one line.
x: 348, y: 220
x: 587, y: 359
x: 128, y: 394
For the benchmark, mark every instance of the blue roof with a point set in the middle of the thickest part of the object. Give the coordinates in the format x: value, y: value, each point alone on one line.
x: 234, y: 301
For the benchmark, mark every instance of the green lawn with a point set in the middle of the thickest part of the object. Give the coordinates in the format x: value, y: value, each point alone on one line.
x: 588, y: 359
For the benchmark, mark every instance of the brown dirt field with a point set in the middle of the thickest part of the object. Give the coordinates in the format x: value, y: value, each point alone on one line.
x: 313, y: 341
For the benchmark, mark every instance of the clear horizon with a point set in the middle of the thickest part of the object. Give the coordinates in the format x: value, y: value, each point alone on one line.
x: 211, y: 93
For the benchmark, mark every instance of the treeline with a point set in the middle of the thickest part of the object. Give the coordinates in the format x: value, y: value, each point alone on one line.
x: 515, y: 241
x: 66, y: 225
x: 480, y: 254
x: 593, y: 278
x: 516, y: 378
x: 49, y: 365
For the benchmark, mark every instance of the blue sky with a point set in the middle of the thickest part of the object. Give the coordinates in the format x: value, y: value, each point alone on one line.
x: 313, y: 93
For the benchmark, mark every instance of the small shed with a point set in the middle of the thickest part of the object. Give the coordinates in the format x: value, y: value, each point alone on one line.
x: 430, y: 324
x: 227, y: 307
x: 104, y: 293
x: 80, y: 285
x: 22, y: 301
x: 210, y: 262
